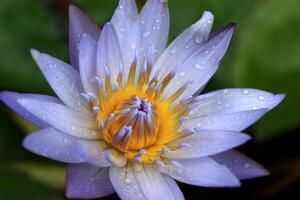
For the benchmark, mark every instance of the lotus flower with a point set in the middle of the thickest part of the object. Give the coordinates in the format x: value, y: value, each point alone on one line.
x: 129, y: 118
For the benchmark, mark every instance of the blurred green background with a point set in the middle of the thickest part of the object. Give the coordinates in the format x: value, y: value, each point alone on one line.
x: 264, y: 54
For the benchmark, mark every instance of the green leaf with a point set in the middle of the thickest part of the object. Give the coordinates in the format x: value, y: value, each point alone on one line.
x: 10, y: 139
x: 15, y: 186
x: 52, y: 175
x: 268, y: 58
x: 26, y: 24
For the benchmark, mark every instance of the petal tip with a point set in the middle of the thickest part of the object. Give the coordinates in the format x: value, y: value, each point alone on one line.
x: 34, y: 53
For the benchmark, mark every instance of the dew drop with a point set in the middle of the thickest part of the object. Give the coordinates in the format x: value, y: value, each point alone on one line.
x: 246, y: 92
x: 246, y: 166
x: 173, y: 51
x: 254, y: 108
x: 225, y: 91
x: 219, y: 102
x: 146, y: 34
x: 261, y: 98
x: 127, y: 181
x: 198, y: 66
x: 133, y: 46
x: 182, y: 74
x: 198, y: 40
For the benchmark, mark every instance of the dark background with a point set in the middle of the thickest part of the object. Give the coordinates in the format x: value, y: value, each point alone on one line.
x: 264, y: 54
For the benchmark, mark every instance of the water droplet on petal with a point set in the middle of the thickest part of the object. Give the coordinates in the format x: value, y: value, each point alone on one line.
x: 198, y: 66
x: 146, y: 34
x: 261, y: 98
x: 247, y: 165
x: 127, y: 181
x: 198, y: 40
x: 246, y: 92
x: 182, y: 74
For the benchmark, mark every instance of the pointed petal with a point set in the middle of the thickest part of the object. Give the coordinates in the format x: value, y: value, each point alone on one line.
x: 236, y: 121
x: 202, y: 64
x: 79, y: 23
x: 62, y: 117
x: 184, y: 45
x: 155, y: 22
x: 86, y: 181
x: 205, y: 143
x: 242, y: 166
x: 235, y: 100
x: 145, y: 183
x: 87, y: 63
x: 53, y: 144
x: 11, y: 98
x: 109, y: 53
x: 64, y: 80
x: 127, y: 24
x: 202, y: 172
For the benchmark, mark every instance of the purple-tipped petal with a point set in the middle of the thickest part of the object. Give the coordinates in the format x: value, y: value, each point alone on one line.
x: 202, y: 172
x: 242, y: 166
x: 62, y: 117
x: 155, y: 22
x: 87, y: 63
x: 86, y: 181
x: 236, y: 121
x: 109, y: 56
x: 127, y: 24
x: 11, y: 98
x: 143, y: 182
x: 202, y: 64
x: 53, y: 144
x: 235, y: 100
x: 184, y: 45
x: 64, y: 80
x: 79, y: 23
x: 206, y: 143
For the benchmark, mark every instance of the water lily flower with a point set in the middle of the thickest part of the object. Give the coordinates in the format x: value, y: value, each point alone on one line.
x: 129, y: 118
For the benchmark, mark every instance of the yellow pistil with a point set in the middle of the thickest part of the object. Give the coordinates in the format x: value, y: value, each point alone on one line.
x: 135, y: 120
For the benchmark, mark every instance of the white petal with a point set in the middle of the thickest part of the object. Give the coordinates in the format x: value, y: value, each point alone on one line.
x: 53, y: 144
x: 63, y: 118
x: 56, y: 145
x: 236, y: 121
x: 202, y: 64
x: 155, y: 22
x: 184, y: 45
x: 79, y: 23
x: 87, y: 63
x: 127, y: 24
x: 202, y: 172
x: 235, y: 100
x: 145, y: 183
x: 11, y: 100
x: 109, y: 55
x: 64, y: 80
x: 92, y: 151
x: 205, y: 143
x: 86, y: 181
x: 174, y: 187
x: 242, y: 166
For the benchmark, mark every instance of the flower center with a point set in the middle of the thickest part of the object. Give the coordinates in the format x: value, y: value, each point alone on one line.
x: 134, y: 118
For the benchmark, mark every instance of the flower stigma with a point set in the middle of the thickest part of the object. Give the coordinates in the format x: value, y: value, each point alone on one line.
x: 133, y: 117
